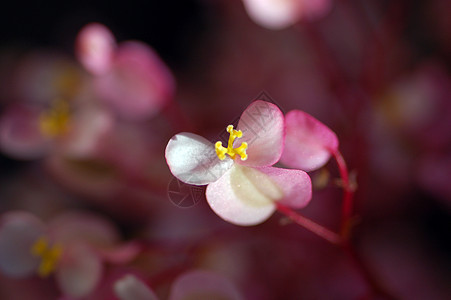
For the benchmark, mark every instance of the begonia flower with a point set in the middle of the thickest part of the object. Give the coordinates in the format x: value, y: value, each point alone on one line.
x: 33, y: 132
x: 278, y: 14
x: 48, y: 87
x: 129, y: 77
x: 190, y: 285
x: 242, y: 185
x: 309, y: 144
x: 73, y: 246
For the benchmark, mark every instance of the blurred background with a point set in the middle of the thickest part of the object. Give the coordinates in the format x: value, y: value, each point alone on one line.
x: 376, y: 72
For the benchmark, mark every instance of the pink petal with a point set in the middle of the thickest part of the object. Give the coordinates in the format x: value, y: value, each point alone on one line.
x: 308, y: 142
x: 273, y: 14
x: 18, y: 232
x: 77, y: 226
x: 296, y: 185
x: 120, y: 254
x: 131, y: 288
x: 243, y: 196
x: 95, y: 47
x: 193, y: 160
x: 314, y: 9
x: 203, y: 285
x: 138, y: 84
x: 79, y: 270
x: 262, y: 124
x: 20, y: 136
x: 89, y: 128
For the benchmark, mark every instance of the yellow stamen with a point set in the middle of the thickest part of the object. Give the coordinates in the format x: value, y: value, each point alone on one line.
x: 55, y: 121
x: 50, y: 256
x: 241, y: 150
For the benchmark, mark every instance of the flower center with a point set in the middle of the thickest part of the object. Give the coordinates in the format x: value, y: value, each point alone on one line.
x: 241, y: 150
x: 55, y: 121
x: 49, y: 255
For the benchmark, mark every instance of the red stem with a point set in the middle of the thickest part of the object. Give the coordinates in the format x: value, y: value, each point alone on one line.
x: 348, y: 195
x: 308, y: 224
x: 333, y: 238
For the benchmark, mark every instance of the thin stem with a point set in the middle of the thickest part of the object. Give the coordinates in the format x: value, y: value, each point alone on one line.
x: 344, y: 244
x: 308, y: 224
x: 348, y: 195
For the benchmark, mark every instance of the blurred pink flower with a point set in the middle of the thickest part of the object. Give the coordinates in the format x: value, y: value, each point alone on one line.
x: 48, y: 94
x: 278, y: 14
x: 130, y: 77
x: 309, y: 143
x: 190, y: 285
x: 33, y: 132
x: 94, y: 47
x: 242, y: 190
x: 73, y: 246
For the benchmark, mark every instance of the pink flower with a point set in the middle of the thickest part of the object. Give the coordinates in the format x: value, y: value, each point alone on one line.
x: 49, y: 90
x: 190, y: 285
x: 130, y: 77
x: 277, y: 14
x: 309, y: 143
x: 73, y: 246
x: 242, y: 185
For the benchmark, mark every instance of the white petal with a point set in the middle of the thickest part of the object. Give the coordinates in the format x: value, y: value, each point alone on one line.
x: 273, y: 14
x: 131, y: 288
x: 193, y: 160
x: 79, y: 270
x: 18, y: 232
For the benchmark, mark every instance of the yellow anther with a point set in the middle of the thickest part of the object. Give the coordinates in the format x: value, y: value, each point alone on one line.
x: 55, y: 121
x: 50, y: 256
x: 220, y: 150
x: 241, y: 150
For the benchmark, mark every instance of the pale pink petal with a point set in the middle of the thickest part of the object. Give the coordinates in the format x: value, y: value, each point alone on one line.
x: 243, y: 196
x: 314, y: 9
x: 203, y: 285
x: 138, y: 84
x: 120, y: 254
x: 78, y: 271
x: 295, y: 185
x: 262, y: 124
x: 18, y: 232
x: 131, y: 288
x: 95, y: 47
x: 20, y: 136
x: 193, y: 160
x: 89, y: 127
x: 308, y: 143
x: 78, y: 226
x: 273, y: 14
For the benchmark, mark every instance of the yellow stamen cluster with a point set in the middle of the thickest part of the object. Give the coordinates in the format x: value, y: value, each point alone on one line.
x: 241, y: 150
x: 55, y: 121
x: 50, y: 256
